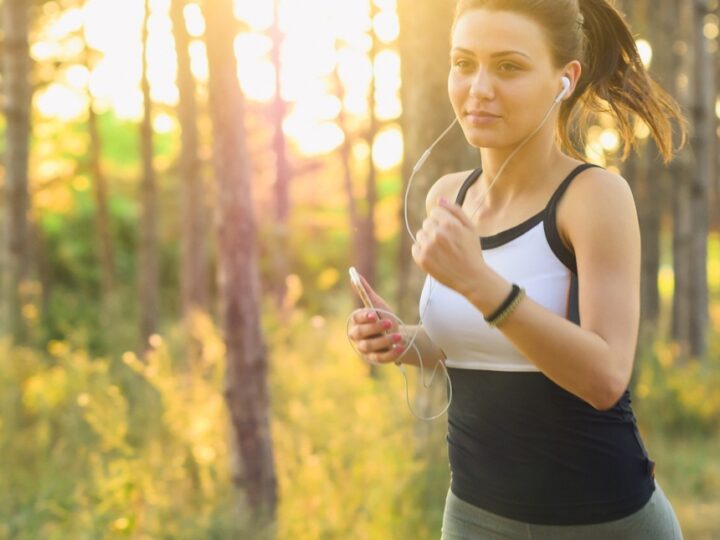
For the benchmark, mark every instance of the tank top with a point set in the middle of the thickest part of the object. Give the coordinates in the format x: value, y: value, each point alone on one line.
x: 519, y: 445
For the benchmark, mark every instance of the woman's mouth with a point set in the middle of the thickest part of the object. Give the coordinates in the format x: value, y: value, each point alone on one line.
x: 479, y: 117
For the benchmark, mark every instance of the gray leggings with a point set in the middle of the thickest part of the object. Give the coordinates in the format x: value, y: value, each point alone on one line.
x: 654, y: 521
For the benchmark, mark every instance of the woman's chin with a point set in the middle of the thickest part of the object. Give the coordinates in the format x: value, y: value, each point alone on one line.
x: 482, y: 140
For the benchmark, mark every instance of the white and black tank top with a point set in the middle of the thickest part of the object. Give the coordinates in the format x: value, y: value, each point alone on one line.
x: 519, y: 445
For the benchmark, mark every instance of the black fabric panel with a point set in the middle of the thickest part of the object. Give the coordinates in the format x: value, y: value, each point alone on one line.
x: 547, y: 215
x: 566, y: 256
x: 523, y: 447
x: 573, y: 313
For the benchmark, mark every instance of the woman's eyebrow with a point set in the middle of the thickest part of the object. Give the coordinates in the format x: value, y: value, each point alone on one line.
x: 493, y: 55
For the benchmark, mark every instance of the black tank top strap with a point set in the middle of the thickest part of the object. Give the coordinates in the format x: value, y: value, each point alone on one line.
x: 466, y: 185
x: 566, y: 256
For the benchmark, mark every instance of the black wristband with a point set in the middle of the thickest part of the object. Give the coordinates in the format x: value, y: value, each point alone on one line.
x: 509, y: 300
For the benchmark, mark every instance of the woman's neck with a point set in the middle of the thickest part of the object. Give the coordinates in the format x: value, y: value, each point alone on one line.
x: 530, y: 167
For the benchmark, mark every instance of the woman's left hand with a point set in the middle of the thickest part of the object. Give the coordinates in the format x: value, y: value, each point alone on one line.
x: 448, y: 248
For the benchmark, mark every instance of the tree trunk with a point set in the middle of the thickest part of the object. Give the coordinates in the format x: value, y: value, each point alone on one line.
x: 103, y: 235
x: 425, y: 53
x: 246, y: 390
x: 644, y: 170
x: 690, y: 310
x: 366, y: 253
x: 703, y: 143
x: 18, y: 98
x: 148, y: 260
x: 282, y: 169
x: 681, y: 171
x: 194, y: 272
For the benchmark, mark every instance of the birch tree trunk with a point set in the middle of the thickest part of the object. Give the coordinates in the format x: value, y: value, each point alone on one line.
x: 246, y: 384
x: 18, y: 98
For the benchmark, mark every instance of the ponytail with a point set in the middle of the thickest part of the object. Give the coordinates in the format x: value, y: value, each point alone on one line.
x: 615, y: 80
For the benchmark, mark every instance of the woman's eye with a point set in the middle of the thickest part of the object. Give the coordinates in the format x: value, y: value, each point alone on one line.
x: 462, y: 64
x: 508, y: 67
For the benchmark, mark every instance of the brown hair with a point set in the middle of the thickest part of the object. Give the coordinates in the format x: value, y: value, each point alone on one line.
x: 613, y: 77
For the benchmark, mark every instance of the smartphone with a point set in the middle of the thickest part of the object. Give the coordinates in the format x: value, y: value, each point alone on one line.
x: 362, y: 293
x: 360, y: 290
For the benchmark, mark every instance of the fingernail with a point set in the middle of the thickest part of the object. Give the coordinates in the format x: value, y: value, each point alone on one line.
x: 443, y: 201
x: 399, y: 349
x: 371, y: 316
x: 396, y: 337
x: 386, y: 324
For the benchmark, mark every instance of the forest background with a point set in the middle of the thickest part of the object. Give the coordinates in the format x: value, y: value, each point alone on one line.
x: 183, y: 186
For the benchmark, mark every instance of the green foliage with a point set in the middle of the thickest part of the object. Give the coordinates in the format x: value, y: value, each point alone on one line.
x: 681, y: 398
x: 106, y: 448
x: 348, y: 462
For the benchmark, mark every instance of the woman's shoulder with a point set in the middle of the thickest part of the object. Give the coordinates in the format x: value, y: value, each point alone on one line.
x: 596, y: 196
x: 446, y: 186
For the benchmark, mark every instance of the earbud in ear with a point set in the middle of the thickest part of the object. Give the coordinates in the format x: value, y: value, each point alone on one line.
x: 566, y: 86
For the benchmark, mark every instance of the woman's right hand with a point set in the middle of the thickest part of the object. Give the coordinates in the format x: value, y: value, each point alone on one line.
x: 378, y: 339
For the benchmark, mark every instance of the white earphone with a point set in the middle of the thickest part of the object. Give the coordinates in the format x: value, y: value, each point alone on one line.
x: 566, y: 86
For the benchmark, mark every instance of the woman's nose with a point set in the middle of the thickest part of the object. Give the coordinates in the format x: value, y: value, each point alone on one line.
x: 481, y: 86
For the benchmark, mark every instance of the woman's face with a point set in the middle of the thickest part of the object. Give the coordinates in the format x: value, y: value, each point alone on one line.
x: 502, y: 80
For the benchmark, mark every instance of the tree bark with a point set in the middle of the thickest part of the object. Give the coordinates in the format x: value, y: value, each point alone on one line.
x: 425, y: 53
x: 148, y: 259
x: 644, y: 170
x: 103, y: 234
x: 703, y: 143
x: 194, y: 273
x: 692, y: 177
x: 18, y: 98
x: 246, y: 392
x: 282, y: 169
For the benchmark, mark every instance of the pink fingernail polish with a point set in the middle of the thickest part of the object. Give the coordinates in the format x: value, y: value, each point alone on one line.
x: 396, y: 337
x: 386, y: 324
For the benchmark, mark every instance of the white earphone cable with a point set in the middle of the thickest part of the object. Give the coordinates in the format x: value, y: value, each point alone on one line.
x: 401, y: 323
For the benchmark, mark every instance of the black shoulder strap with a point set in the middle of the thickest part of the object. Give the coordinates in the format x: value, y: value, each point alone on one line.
x: 551, y: 231
x: 466, y: 185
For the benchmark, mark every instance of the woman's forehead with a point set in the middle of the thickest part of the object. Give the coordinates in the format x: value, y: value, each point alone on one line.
x: 489, y: 32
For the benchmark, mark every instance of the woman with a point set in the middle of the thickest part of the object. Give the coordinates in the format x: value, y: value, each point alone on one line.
x: 538, y: 324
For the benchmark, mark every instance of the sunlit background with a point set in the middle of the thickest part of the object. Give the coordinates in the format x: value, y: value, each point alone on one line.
x: 313, y: 47
x: 319, y: 37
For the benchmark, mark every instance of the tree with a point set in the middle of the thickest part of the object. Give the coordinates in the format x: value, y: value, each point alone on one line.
x: 425, y: 54
x: 692, y: 176
x: 282, y: 167
x: 644, y: 170
x: 194, y: 272
x: 106, y: 253
x: 148, y: 264
x: 246, y: 386
x: 18, y: 98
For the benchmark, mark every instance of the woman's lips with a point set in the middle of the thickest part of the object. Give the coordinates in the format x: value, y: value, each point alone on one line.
x: 481, y: 117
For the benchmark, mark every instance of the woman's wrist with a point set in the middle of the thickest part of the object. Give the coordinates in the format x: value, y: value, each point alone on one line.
x: 486, y: 290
